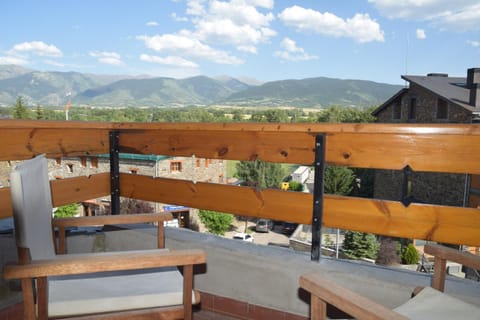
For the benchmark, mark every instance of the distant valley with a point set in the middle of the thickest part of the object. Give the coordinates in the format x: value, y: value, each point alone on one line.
x: 55, y: 88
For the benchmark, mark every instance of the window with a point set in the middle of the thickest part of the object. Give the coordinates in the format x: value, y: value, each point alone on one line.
x: 397, y: 110
x: 176, y: 166
x: 83, y: 162
x: 442, y: 109
x: 94, y: 162
x: 198, y: 163
x: 412, y: 109
x: 70, y: 167
x: 206, y: 163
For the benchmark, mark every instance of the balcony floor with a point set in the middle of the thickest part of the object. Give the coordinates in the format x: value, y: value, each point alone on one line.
x: 15, y: 312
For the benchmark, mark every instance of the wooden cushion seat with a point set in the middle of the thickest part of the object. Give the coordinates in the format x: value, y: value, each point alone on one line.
x: 115, y: 291
x: 433, y: 304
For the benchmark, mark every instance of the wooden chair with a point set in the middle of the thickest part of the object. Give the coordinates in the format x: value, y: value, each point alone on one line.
x: 109, y: 285
x: 428, y: 303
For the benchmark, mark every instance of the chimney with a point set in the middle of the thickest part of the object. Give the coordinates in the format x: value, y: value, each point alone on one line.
x: 473, y: 84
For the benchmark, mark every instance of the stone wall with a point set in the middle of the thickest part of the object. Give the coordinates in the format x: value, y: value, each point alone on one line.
x: 433, y: 188
x: 426, y: 110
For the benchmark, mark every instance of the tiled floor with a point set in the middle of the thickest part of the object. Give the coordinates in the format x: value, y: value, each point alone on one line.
x: 213, y: 308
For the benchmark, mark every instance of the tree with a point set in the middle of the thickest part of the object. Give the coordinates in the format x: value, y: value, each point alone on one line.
x: 19, y: 109
x: 358, y: 245
x: 410, y: 254
x: 216, y: 222
x: 342, y: 114
x: 338, y: 180
x: 38, y: 113
x: 66, y: 211
x: 260, y: 174
x: 129, y: 206
x: 295, y: 186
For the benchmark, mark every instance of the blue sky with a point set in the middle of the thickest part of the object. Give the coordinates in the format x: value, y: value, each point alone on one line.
x: 267, y: 40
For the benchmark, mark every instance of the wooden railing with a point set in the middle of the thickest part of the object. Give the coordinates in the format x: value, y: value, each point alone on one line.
x: 431, y: 148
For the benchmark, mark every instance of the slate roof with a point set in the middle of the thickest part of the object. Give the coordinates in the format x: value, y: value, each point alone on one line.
x: 452, y: 89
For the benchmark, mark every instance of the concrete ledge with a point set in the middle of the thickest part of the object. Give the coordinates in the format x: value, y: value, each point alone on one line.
x: 268, y: 276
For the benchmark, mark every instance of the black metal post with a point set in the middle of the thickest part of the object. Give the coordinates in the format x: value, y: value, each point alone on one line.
x: 318, y: 191
x: 114, y: 173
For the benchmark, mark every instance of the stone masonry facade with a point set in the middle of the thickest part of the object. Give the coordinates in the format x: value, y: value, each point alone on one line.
x: 435, y: 188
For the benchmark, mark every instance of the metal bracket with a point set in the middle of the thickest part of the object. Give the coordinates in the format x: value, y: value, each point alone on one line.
x: 114, y: 172
x: 407, y: 186
x: 318, y: 191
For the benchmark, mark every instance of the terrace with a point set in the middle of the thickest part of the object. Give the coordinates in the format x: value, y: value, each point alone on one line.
x: 248, y: 281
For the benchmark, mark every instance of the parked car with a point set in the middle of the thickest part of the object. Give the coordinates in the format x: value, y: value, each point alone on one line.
x: 243, y: 236
x: 289, y: 228
x: 264, y: 225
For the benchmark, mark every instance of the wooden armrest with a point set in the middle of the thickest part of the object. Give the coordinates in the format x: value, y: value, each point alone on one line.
x: 108, y: 261
x: 464, y: 258
x: 348, y: 301
x: 111, y: 219
x: 63, y: 223
x: 442, y: 254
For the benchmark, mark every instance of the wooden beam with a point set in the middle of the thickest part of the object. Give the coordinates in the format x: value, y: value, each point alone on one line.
x: 25, y: 143
x: 71, y: 190
x: 418, y: 221
x: 283, y: 147
x: 446, y: 148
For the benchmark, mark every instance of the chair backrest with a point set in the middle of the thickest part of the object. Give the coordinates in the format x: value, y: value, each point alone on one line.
x: 32, y: 207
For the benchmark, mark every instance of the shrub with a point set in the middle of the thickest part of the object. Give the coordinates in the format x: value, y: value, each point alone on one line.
x: 216, y: 222
x: 410, y: 255
x: 358, y: 245
x: 66, y: 211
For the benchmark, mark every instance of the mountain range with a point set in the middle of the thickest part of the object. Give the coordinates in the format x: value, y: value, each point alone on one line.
x: 52, y: 88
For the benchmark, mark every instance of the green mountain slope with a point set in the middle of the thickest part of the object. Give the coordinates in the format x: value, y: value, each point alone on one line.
x: 55, y: 88
x: 156, y: 92
x: 315, y: 92
x: 45, y: 88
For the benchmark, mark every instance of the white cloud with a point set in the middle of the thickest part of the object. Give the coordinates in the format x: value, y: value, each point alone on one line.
x: 237, y: 22
x: 14, y: 60
x: 420, y: 33
x: 38, y: 48
x: 185, y: 45
x: 195, y: 7
x: 473, y: 43
x: 169, y: 60
x: 178, y: 18
x: 293, y: 53
x: 241, y: 24
x: 459, y: 15
x: 112, y: 58
x: 152, y: 24
x: 360, y: 27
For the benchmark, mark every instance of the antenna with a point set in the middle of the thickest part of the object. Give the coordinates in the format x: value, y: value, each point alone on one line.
x: 406, y: 56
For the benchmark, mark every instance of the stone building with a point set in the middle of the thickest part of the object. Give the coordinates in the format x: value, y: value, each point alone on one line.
x: 434, y: 98
x: 193, y: 169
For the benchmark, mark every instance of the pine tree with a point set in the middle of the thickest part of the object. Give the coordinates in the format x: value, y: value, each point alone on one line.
x: 358, y: 245
x: 19, y: 109
x: 260, y: 174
